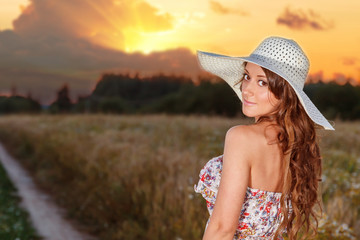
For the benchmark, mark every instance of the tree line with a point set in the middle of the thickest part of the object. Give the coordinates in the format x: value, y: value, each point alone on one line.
x: 125, y: 94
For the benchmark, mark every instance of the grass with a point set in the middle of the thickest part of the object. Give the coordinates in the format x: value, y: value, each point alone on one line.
x: 14, y: 221
x: 132, y: 177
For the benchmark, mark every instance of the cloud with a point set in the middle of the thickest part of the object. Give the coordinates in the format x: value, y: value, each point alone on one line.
x: 221, y: 9
x: 56, y: 42
x: 43, y: 83
x: 299, y: 20
x: 349, y: 61
x: 340, y: 78
x: 316, y: 77
x: 42, y: 66
x: 106, y: 22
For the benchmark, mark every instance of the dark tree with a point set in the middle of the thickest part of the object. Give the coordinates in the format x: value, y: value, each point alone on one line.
x: 18, y: 104
x: 62, y: 103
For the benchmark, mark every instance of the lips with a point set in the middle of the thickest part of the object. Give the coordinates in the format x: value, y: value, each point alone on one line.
x: 248, y: 102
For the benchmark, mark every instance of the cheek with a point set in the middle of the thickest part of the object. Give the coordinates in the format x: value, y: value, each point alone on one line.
x: 273, y: 100
x: 264, y: 96
x: 268, y: 99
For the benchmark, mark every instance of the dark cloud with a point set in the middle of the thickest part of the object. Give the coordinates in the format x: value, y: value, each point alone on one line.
x: 56, y: 42
x: 221, y: 9
x: 42, y: 66
x: 299, y: 20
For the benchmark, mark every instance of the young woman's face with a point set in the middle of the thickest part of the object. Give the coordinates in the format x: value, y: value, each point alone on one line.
x: 257, y: 99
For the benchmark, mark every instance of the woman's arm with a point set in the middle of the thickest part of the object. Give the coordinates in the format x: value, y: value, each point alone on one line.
x: 233, y: 185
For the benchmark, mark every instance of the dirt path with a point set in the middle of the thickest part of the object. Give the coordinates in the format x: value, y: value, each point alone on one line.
x: 46, y: 217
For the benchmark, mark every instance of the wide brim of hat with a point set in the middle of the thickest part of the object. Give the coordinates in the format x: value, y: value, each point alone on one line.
x: 231, y: 69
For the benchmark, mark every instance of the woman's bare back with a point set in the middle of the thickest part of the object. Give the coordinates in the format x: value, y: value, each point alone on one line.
x: 266, y: 164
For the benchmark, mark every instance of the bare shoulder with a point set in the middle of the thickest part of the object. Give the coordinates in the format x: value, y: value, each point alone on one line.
x: 241, y: 143
x: 243, y: 133
x: 240, y: 130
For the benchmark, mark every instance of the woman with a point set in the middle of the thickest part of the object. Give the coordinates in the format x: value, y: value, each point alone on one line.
x: 269, y: 170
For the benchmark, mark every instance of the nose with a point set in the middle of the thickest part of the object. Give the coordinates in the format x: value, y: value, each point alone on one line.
x: 248, y: 87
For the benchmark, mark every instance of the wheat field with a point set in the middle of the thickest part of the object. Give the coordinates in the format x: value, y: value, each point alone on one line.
x: 132, y: 176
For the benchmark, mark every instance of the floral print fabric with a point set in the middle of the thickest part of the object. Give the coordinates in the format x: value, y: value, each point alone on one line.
x: 260, y: 214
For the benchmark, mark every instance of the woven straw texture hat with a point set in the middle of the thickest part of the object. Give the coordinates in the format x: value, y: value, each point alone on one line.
x: 279, y: 55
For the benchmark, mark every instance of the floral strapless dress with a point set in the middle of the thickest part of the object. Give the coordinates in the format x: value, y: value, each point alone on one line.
x: 260, y: 214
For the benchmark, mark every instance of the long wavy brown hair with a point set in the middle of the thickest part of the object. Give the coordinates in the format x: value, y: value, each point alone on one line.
x: 301, y: 162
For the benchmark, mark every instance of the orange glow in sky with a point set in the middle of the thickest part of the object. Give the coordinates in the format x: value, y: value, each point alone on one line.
x: 327, y: 30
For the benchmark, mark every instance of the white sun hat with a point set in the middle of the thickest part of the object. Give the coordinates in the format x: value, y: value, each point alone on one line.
x: 279, y: 55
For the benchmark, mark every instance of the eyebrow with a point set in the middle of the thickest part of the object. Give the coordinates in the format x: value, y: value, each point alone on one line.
x: 257, y: 75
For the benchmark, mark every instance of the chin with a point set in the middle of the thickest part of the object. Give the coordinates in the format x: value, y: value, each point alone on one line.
x: 247, y: 114
x: 248, y: 111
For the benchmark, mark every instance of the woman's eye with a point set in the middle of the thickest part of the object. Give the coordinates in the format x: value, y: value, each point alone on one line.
x: 246, y: 77
x: 262, y: 83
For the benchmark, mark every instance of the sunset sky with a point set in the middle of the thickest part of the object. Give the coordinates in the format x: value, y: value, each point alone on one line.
x: 44, y: 44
